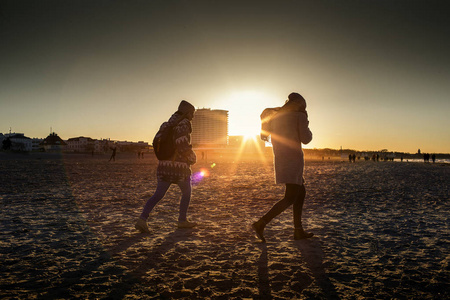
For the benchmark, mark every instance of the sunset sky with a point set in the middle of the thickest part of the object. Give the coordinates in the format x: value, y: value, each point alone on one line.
x: 375, y: 74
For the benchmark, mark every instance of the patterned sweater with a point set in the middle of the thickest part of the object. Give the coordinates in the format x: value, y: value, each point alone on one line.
x: 179, y: 169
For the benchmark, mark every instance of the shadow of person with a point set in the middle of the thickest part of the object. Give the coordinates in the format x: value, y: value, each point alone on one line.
x: 151, y: 259
x: 263, y: 274
x: 126, y: 243
x: 312, y: 254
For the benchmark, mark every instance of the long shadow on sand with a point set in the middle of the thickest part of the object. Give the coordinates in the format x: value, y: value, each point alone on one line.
x: 135, y: 276
x: 263, y: 274
x: 127, y: 243
x: 313, y: 255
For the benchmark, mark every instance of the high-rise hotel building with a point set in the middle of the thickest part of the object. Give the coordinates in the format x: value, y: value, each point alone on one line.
x: 210, y: 128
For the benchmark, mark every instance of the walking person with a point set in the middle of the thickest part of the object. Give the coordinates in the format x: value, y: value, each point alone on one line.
x: 288, y: 129
x: 113, y: 154
x: 176, y: 170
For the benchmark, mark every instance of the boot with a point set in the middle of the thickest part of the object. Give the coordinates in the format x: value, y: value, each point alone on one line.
x: 142, y: 226
x: 300, y: 234
x: 259, y: 229
x: 186, y: 224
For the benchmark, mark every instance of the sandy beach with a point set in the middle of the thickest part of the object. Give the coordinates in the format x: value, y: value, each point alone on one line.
x: 67, y: 231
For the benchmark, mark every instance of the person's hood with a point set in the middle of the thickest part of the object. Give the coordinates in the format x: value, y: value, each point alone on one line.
x: 185, y: 107
x: 297, y: 99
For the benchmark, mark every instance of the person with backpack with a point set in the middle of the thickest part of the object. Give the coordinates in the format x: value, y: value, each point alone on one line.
x: 288, y: 129
x: 172, y: 145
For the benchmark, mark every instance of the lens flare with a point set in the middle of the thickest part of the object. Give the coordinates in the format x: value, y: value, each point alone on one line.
x: 204, y: 172
x: 197, y: 177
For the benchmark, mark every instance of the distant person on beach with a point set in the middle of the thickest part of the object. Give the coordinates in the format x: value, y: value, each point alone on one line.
x: 6, y: 144
x: 175, y: 171
x: 433, y: 157
x: 288, y: 129
x: 113, y: 155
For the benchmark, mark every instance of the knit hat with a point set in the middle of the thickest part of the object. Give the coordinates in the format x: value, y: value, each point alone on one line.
x: 185, y: 107
x: 296, y: 97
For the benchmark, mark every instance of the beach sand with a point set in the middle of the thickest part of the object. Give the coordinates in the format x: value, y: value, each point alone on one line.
x: 67, y: 231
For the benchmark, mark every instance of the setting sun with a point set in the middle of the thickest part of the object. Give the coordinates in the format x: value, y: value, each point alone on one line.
x: 244, y: 109
x: 249, y: 137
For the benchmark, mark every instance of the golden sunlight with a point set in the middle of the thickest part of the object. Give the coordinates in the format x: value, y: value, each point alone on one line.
x: 249, y: 137
x: 244, y: 109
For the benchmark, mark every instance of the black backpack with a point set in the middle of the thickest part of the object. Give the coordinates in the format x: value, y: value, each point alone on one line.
x: 164, y: 141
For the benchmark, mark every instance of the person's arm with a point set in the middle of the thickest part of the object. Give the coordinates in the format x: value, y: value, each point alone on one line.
x: 182, y: 140
x: 305, y: 134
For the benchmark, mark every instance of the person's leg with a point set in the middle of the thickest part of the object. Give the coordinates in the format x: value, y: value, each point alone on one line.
x: 298, y: 207
x: 290, y: 194
x: 161, y: 190
x: 299, y: 233
x: 186, y: 189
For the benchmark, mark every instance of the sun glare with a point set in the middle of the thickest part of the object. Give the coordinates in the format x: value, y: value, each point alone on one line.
x: 244, y: 109
x: 249, y: 137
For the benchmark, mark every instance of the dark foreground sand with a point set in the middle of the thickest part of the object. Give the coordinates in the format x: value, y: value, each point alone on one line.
x: 67, y: 232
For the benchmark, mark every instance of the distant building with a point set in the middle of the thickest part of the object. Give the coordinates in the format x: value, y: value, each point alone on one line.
x: 80, y: 144
x: 19, y: 142
x: 53, y: 143
x: 87, y: 144
x: 210, y: 128
x: 102, y: 145
x: 36, y: 144
x: 126, y: 146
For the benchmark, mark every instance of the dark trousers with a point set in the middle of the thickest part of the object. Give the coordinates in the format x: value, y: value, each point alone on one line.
x: 161, y: 189
x: 294, y: 195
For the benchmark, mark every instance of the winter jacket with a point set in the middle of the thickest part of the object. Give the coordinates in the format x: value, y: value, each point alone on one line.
x: 289, y: 129
x: 179, y: 169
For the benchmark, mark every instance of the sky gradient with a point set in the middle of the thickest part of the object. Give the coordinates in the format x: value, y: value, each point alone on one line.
x: 375, y: 74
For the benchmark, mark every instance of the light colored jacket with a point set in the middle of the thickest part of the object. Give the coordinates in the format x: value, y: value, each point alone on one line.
x: 289, y: 129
